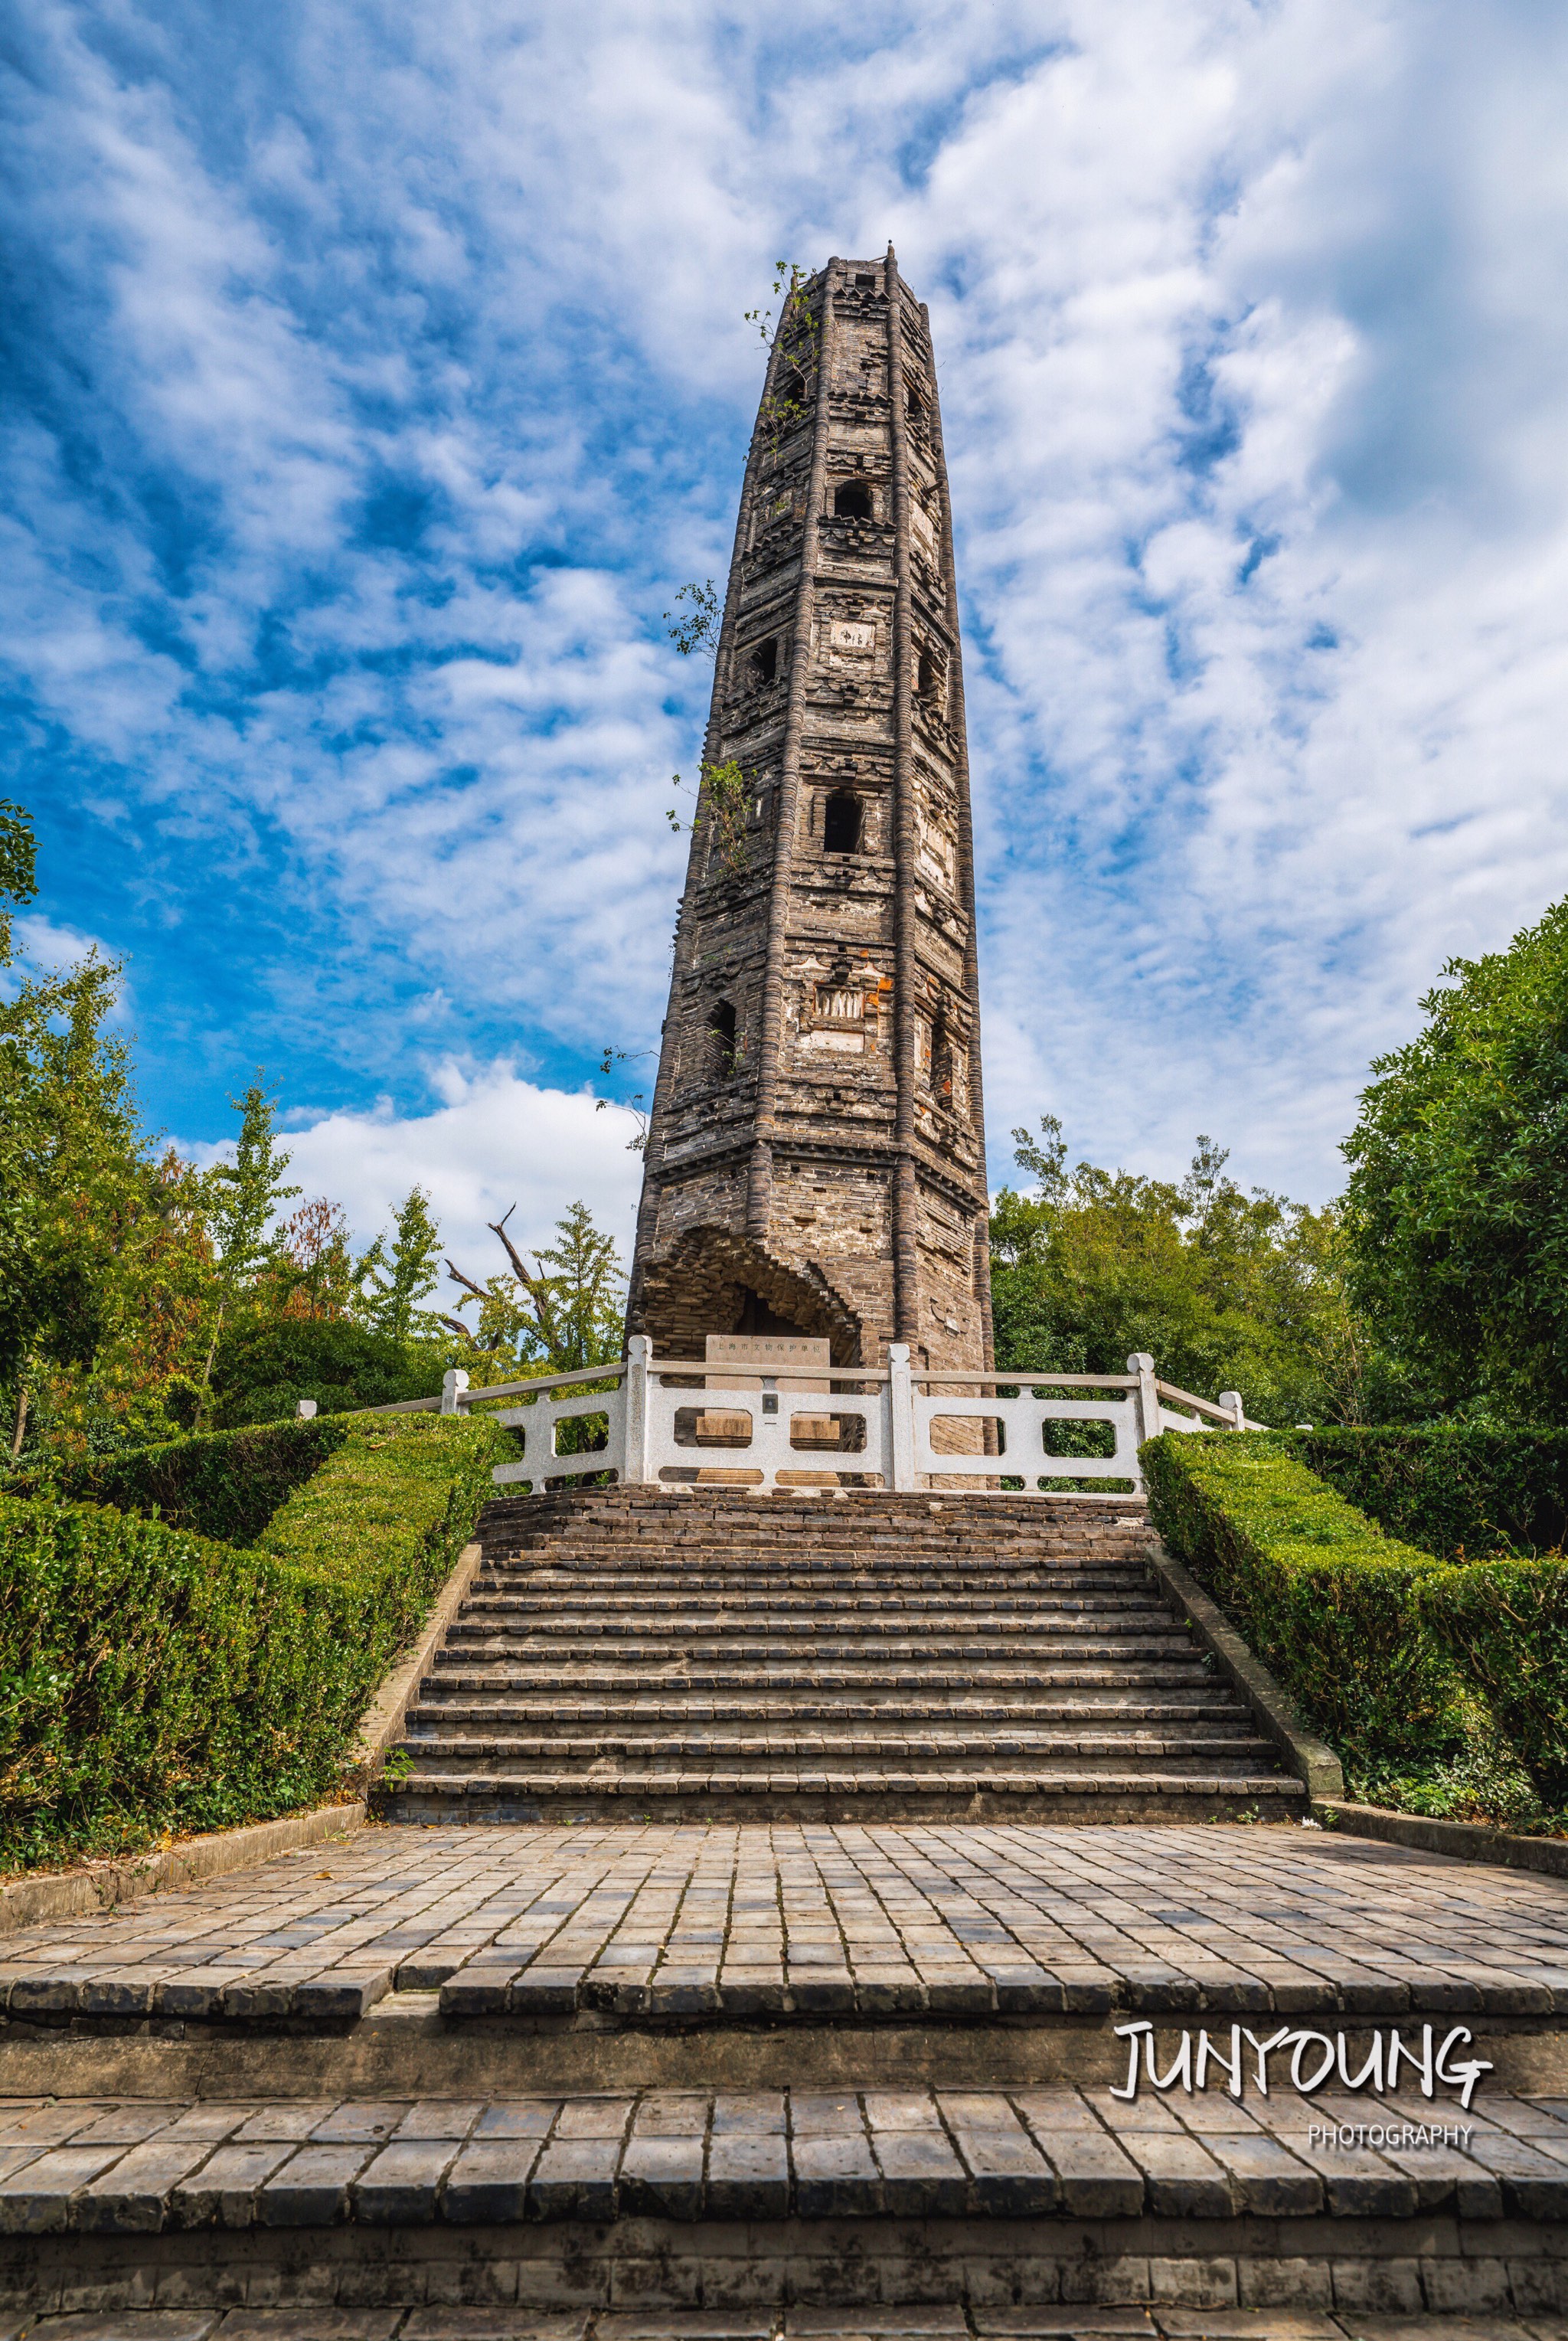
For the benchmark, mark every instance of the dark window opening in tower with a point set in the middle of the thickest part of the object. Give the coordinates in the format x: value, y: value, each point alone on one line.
x: 721, y: 1038
x: 928, y: 677
x: 765, y: 660
x: 841, y: 822
x: 853, y: 501
x: 865, y: 283
x: 914, y: 404
x: 941, y: 1058
x: 791, y: 390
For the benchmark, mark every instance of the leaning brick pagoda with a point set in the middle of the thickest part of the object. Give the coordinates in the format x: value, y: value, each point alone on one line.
x: 816, y: 1155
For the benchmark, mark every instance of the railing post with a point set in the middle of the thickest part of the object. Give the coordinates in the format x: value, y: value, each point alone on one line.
x: 900, y: 1416
x: 454, y: 1383
x: 633, y: 1466
x: 1147, y: 1397
x: 1231, y: 1401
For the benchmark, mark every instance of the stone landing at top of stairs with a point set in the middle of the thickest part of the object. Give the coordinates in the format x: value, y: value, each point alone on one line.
x: 860, y: 1655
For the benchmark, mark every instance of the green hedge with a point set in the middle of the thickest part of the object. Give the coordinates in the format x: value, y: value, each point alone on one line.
x: 1323, y: 1594
x: 222, y: 1483
x: 154, y: 1679
x: 1455, y: 1490
x: 1505, y: 1622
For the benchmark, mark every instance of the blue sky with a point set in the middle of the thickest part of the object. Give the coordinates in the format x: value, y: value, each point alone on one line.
x: 374, y: 375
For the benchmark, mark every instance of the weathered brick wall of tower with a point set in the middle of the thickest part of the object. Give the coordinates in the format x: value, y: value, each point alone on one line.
x: 816, y: 1156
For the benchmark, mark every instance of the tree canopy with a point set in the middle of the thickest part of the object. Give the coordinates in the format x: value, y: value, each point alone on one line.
x: 1457, y: 1206
x: 140, y: 1296
x: 1224, y: 1290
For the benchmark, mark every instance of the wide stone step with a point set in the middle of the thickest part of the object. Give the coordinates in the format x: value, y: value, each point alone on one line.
x: 791, y: 1590
x: 1025, y: 2152
x: 920, y: 1752
x: 464, y: 1670
x: 789, y: 1567
x: 495, y: 1618
x: 767, y: 1528
x: 862, y: 1780
x: 1174, y: 1710
x: 865, y: 1648
x: 967, y: 2213
x: 1046, y: 1604
x: 801, y: 1550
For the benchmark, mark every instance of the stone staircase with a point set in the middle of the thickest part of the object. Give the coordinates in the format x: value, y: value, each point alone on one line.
x: 864, y: 1656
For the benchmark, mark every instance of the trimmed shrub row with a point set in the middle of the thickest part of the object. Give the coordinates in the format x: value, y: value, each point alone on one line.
x: 1384, y: 1645
x: 1455, y: 1490
x: 222, y: 1483
x: 153, y: 1678
x: 1506, y: 1623
x: 1323, y: 1594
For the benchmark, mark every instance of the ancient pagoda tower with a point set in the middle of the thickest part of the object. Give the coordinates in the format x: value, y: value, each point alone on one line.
x: 816, y: 1155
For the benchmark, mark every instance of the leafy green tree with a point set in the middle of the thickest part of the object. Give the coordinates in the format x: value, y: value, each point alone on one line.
x: 104, y: 1266
x: 246, y: 1193
x: 268, y: 1364
x: 311, y: 1272
x: 567, y: 1310
x: 1457, y: 1206
x: 391, y: 1285
x: 18, y: 869
x: 1224, y: 1290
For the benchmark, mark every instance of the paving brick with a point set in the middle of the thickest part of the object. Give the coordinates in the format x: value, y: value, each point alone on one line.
x: 310, y: 2324
x: 143, y: 2325
x: 834, y: 2177
x: 133, y: 2197
x: 1389, y: 2286
x: 922, y: 2175
x: 574, y: 2178
x: 685, y: 2324
x: 36, y: 2200
x: 400, y: 2185
x: 1535, y: 2184
x: 1048, y: 2323
x: 1095, y: 2179
x: 747, y: 2175
x: 1266, y: 2179
x: 662, y: 2177
x: 223, y: 2190
x: 472, y: 2324
x: 488, y: 2181
x: 1248, y: 2325
x: 311, y: 2188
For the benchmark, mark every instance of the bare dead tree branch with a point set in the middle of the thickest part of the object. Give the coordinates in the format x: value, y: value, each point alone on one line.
x: 458, y: 1276
x: 498, y: 1228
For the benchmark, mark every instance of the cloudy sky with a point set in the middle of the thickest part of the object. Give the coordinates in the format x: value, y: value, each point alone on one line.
x: 374, y: 374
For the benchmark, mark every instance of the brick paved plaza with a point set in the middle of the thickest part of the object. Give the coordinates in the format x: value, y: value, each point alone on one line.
x: 777, y: 1920
x: 545, y: 2075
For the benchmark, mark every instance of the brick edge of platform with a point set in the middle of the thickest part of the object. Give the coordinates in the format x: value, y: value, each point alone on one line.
x: 1442, y: 2268
x: 1461, y: 1841
x: 103, y: 1885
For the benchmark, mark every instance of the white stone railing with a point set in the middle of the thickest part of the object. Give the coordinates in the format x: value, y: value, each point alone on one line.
x: 681, y: 1421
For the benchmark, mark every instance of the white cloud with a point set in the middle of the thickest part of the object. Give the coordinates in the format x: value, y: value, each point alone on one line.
x: 1249, y: 329
x: 495, y: 1141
